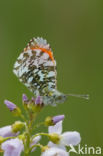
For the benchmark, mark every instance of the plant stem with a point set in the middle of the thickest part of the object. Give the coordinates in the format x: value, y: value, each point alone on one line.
x: 26, y: 154
x: 37, y: 145
x: 29, y: 125
x: 44, y: 134
x: 22, y: 117
x: 27, y: 145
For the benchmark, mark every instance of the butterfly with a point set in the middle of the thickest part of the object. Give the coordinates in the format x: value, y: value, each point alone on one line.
x: 36, y: 69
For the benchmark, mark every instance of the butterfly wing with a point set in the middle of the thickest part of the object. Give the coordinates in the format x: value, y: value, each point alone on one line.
x: 36, y: 68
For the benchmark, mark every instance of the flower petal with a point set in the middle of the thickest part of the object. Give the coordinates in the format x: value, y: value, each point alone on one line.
x: 24, y: 98
x: 51, y: 144
x: 12, y: 147
x: 35, y: 141
x: 56, y: 128
x: 70, y: 138
x: 55, y: 152
x: 38, y: 100
x: 57, y: 118
x: 7, y: 131
x: 10, y: 105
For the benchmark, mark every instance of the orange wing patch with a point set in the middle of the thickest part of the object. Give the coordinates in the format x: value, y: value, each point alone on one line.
x: 45, y: 51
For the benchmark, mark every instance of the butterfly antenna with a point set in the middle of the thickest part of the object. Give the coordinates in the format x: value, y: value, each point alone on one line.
x: 80, y: 96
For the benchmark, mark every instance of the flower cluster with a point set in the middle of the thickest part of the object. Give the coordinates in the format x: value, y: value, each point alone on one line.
x: 20, y: 136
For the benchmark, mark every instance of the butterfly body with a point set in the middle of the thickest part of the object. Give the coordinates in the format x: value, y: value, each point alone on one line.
x: 36, y: 69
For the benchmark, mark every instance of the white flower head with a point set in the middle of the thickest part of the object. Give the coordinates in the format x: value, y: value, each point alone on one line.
x: 12, y: 147
x: 66, y: 138
x: 7, y: 131
x: 53, y: 151
x: 57, y: 128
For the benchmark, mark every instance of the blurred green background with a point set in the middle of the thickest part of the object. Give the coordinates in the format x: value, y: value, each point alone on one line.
x: 75, y: 31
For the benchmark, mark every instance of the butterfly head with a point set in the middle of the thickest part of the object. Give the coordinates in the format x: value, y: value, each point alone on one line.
x: 59, y: 97
x: 56, y: 98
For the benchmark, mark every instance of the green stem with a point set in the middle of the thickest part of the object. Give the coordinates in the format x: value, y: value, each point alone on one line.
x: 26, y: 154
x: 27, y: 143
x: 38, y: 134
x: 22, y: 117
x: 29, y: 128
x: 29, y: 125
x: 8, y: 138
x: 37, y: 145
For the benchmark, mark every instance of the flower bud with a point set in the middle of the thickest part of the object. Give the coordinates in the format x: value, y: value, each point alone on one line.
x: 17, y: 126
x: 12, y: 107
x: 55, y: 138
x: 24, y: 98
x: 50, y: 121
x: 58, y: 118
x: 37, y: 104
x: 39, y: 101
x: 25, y: 101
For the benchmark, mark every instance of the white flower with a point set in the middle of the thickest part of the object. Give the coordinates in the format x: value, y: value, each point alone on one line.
x: 35, y: 141
x: 12, y: 147
x: 66, y: 139
x: 70, y: 138
x: 7, y: 132
x: 53, y: 151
